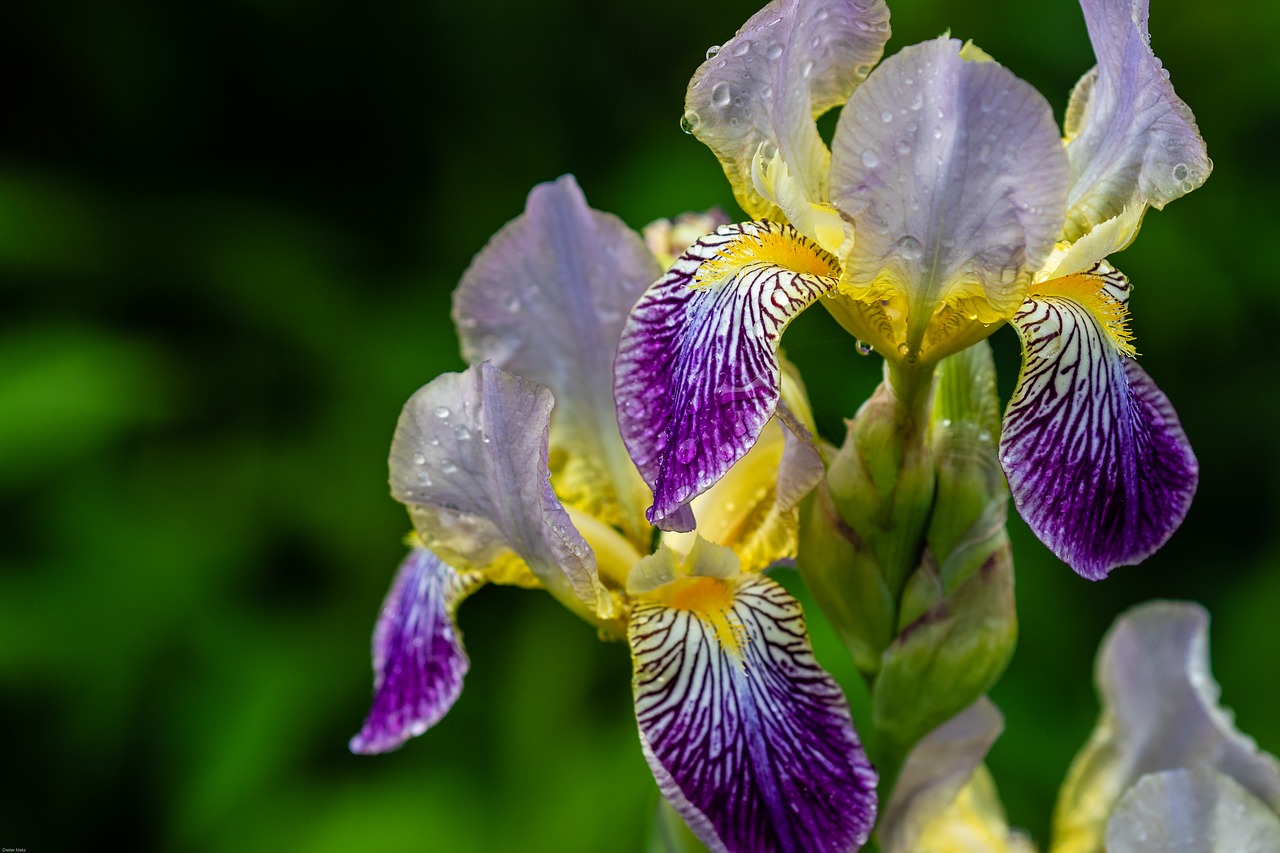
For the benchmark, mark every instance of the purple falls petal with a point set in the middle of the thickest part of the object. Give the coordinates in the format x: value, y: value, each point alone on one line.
x: 418, y: 659
x: 953, y: 174
x: 546, y: 299
x: 469, y: 459
x: 940, y: 765
x: 748, y: 738
x: 1132, y: 139
x: 1160, y: 711
x: 697, y: 374
x: 1191, y: 811
x: 790, y: 63
x: 1097, y: 461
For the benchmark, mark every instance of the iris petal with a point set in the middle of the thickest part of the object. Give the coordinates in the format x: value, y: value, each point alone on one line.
x: 562, y: 265
x: 418, y: 659
x: 1097, y: 461
x: 748, y: 737
x: 1160, y: 711
x: 1194, y: 810
x: 953, y: 174
x: 1131, y: 138
x: 469, y: 459
x: 791, y: 62
x: 697, y: 373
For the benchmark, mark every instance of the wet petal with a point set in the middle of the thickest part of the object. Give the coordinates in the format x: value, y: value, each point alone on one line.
x: 469, y: 459
x: 747, y: 736
x: 1160, y: 711
x: 418, y: 659
x: 1096, y: 459
x: 697, y: 371
x: 1191, y: 811
x: 790, y: 63
x: 953, y: 173
x: 562, y: 265
x: 1132, y: 140
x: 937, y: 768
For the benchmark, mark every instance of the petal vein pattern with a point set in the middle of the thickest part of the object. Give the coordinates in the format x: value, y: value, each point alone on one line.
x: 1097, y: 461
x: 418, y: 658
x: 748, y: 737
x: 697, y: 373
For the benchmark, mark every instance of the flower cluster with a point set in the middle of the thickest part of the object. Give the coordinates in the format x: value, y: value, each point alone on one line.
x: 629, y: 438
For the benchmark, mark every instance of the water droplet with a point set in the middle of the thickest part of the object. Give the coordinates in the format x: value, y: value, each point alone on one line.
x: 937, y: 133
x: 984, y: 436
x: 940, y: 113
x: 909, y: 247
x: 773, y: 51
x: 806, y: 69
x: 903, y: 147
x: 447, y: 466
x: 870, y: 159
x: 424, y: 479
x: 720, y: 95
x: 862, y: 70
x: 945, y: 423
x: 433, y: 441
x: 1180, y: 172
x: 816, y: 43
x: 461, y: 433
x: 689, y: 121
x: 419, y: 459
x: 513, y: 304
x: 686, y: 451
x: 713, y: 50
x: 727, y: 452
x: 741, y: 48
x: 886, y: 116
x: 883, y: 26
x: 442, y: 412
x: 864, y: 348
x: 739, y: 426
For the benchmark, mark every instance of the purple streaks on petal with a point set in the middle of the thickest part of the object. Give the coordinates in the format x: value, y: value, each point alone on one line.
x: 1132, y: 138
x: 697, y: 373
x: 752, y: 744
x: 953, y: 173
x: 1097, y: 461
x: 789, y: 63
x: 418, y: 659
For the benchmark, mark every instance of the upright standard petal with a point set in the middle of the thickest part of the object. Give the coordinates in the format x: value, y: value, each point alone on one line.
x: 469, y: 459
x: 1131, y: 139
x: 1160, y: 712
x: 1191, y: 811
x: 760, y: 93
x: 953, y: 174
x: 418, y: 659
x: 747, y: 736
x: 697, y: 374
x: 1096, y: 459
x: 562, y: 265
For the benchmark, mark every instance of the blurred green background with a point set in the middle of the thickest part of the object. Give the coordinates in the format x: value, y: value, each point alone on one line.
x: 228, y: 236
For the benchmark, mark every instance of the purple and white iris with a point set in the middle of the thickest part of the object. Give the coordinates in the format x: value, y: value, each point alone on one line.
x: 948, y: 204
x: 514, y: 472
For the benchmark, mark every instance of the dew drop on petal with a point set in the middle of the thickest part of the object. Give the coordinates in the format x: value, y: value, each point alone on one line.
x: 806, y: 69
x: 686, y: 451
x: 447, y: 466
x: 741, y: 48
x: 774, y: 51
x: 886, y: 116
x: 442, y: 412
x: 864, y: 348
x: 461, y: 433
x: 1180, y: 172
x: 689, y: 121
x: 713, y: 50
x: 419, y: 459
x: 909, y: 247
x: 424, y: 479
x: 870, y: 159
x: 720, y: 95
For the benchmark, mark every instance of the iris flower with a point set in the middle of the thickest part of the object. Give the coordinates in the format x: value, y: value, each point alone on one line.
x: 948, y: 204
x: 514, y: 472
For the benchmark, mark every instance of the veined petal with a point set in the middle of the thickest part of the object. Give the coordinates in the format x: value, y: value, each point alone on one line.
x: 953, y: 174
x: 1096, y: 459
x: 1191, y: 811
x: 747, y: 736
x: 1131, y: 139
x: 787, y: 65
x: 418, y: 659
x: 469, y: 459
x: 562, y: 265
x: 697, y: 375
x: 1160, y: 712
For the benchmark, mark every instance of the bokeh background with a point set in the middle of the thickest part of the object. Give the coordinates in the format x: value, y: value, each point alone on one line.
x: 228, y: 236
